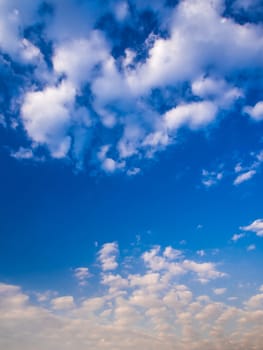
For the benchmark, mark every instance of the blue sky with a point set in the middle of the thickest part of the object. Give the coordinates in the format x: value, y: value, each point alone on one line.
x: 131, y: 178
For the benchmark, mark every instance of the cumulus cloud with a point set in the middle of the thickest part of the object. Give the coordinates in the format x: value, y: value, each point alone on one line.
x: 85, y: 85
x: 107, y: 256
x: 255, y: 112
x: 46, y: 117
x: 256, y: 227
x: 146, y: 309
x: 78, y: 67
x: 194, y: 115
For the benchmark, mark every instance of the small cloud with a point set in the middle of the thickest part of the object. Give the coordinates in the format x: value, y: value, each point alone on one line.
x: 219, y: 291
x: 237, y: 237
x: 200, y: 252
x: 171, y: 253
x: 211, y: 178
x: 251, y: 247
x: 23, y: 153
x: 255, y: 112
x: 133, y: 171
x: 107, y: 256
x: 238, y: 168
x: 199, y: 227
x: 256, y: 227
x: 82, y: 274
x: 244, y: 177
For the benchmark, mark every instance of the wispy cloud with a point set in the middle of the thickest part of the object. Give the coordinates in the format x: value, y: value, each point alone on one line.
x: 237, y: 236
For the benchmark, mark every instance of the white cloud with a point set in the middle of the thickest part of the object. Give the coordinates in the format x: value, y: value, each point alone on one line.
x: 237, y: 236
x: 62, y: 303
x: 191, y: 47
x: 82, y: 274
x: 133, y: 171
x: 251, y: 247
x: 256, y: 227
x: 248, y: 172
x: 120, y: 86
x: 255, y: 112
x: 171, y: 253
x: 121, y: 10
x: 158, y: 261
x: 108, y: 164
x: 217, y: 90
x: 46, y: 116
x: 148, y: 314
x: 211, y: 178
x: 194, y: 115
x: 256, y: 301
x: 200, y: 252
x: 77, y: 58
x: 107, y: 256
x: 23, y: 153
x: 244, y: 177
x: 219, y: 291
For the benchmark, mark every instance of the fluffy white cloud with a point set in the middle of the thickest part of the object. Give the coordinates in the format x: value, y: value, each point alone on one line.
x: 256, y: 227
x: 107, y: 256
x: 191, y: 48
x: 194, y: 115
x: 46, y: 117
x: 217, y: 90
x: 14, y: 15
x: 255, y: 112
x: 78, y: 58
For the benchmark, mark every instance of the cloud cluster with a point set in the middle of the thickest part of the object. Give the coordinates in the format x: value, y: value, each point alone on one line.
x: 148, y: 308
x: 86, y: 89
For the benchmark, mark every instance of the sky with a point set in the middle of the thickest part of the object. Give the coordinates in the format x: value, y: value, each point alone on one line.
x: 131, y: 147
